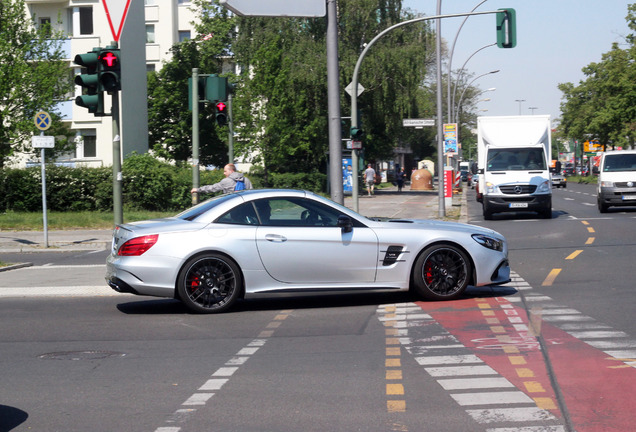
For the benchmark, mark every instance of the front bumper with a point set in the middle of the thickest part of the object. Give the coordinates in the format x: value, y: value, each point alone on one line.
x: 511, y: 203
x: 618, y: 196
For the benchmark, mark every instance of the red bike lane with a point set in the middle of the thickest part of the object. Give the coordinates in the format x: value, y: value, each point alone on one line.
x: 597, y: 389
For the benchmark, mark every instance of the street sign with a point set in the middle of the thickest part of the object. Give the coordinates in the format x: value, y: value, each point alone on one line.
x: 291, y: 8
x: 41, y: 141
x: 349, y: 89
x: 116, y: 11
x: 42, y: 120
x: 418, y: 122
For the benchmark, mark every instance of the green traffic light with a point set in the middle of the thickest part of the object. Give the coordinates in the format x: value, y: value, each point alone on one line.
x: 506, y: 28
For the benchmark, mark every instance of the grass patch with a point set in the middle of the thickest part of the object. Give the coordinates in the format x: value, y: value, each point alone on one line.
x: 28, y: 221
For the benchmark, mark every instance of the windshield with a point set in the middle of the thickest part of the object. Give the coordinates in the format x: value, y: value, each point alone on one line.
x: 620, y: 162
x: 196, y: 211
x: 522, y: 159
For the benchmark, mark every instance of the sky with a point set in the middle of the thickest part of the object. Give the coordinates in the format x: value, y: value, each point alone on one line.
x: 555, y: 40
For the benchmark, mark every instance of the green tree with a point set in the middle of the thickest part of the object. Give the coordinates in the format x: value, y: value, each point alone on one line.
x: 33, y: 76
x: 169, y: 120
x: 282, y: 105
x: 603, y: 106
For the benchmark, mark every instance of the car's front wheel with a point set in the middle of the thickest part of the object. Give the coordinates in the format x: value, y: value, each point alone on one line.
x: 441, y: 272
x: 209, y: 283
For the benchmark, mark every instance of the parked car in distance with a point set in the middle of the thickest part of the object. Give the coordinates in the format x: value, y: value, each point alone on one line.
x: 559, y: 181
x: 569, y: 169
x: 266, y: 241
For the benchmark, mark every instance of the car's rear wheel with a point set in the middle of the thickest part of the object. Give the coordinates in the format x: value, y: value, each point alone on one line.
x: 441, y: 272
x: 209, y: 283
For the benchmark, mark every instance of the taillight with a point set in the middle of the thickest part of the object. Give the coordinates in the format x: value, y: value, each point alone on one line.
x: 138, y: 245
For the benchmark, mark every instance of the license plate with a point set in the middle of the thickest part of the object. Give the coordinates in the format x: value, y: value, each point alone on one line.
x: 629, y: 197
x: 518, y: 205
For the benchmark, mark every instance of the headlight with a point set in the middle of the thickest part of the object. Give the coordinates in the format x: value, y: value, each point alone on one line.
x: 490, y: 188
x: 544, y: 187
x: 607, y: 184
x: 488, y: 242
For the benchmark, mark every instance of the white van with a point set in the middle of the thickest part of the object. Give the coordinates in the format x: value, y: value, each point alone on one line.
x: 617, y: 179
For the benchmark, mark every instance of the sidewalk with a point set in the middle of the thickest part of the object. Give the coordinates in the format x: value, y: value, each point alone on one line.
x: 384, y: 203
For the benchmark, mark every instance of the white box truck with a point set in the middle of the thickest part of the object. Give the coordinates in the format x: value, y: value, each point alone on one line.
x: 513, y: 160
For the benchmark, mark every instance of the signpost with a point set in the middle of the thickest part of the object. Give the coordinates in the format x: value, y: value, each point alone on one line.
x: 418, y: 122
x: 116, y: 11
x: 43, y: 122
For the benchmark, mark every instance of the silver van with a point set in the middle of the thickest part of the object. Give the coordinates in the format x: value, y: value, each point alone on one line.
x: 617, y: 179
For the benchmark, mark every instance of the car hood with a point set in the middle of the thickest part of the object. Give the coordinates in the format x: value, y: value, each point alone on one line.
x: 435, y: 225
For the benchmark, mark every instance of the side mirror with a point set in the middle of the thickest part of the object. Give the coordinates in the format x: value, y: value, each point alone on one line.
x: 480, y: 171
x: 345, y: 223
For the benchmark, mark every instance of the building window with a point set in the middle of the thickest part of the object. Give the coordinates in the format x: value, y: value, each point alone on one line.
x: 45, y: 26
x: 86, y: 20
x: 85, y: 144
x: 150, y: 33
x: 184, y: 35
x: 90, y: 146
x: 151, y: 67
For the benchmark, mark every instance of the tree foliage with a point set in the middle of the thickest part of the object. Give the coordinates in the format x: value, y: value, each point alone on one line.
x: 33, y: 76
x: 603, y: 105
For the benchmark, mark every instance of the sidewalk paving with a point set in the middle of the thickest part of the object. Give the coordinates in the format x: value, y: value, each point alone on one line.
x: 384, y: 203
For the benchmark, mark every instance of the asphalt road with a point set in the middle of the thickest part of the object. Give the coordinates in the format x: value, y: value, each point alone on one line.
x: 554, y: 350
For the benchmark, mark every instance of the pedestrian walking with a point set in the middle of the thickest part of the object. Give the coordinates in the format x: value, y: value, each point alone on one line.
x: 369, y: 178
x: 401, y: 177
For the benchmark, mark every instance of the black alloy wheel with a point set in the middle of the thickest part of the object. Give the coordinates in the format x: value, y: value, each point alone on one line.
x: 209, y: 283
x: 441, y: 272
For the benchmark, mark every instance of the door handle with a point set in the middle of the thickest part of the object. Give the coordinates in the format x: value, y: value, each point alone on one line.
x: 275, y: 238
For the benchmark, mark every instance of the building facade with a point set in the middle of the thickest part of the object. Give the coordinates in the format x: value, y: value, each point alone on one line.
x: 152, y: 27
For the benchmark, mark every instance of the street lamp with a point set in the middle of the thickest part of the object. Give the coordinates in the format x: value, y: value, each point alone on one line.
x: 467, y: 87
x: 449, y: 102
x: 532, y: 109
x: 520, y: 101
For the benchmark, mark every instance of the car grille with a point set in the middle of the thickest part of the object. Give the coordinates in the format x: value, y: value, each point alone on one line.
x: 625, y: 185
x: 517, y: 189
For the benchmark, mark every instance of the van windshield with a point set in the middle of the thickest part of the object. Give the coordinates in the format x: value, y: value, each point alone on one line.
x: 620, y: 162
x: 512, y: 159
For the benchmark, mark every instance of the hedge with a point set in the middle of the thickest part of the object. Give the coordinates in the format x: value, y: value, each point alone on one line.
x: 148, y: 184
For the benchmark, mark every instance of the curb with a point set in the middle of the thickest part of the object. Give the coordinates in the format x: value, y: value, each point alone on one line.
x: 16, y: 266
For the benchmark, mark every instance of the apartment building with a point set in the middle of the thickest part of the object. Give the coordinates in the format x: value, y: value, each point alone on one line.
x: 152, y: 27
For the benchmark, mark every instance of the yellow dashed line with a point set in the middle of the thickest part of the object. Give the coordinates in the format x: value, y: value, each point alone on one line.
x: 534, y: 387
x: 590, y: 240
x: 524, y: 373
x: 392, y: 362
x: 517, y: 360
x: 488, y: 313
x: 394, y: 389
x: 396, y: 406
x: 551, y: 277
x: 590, y: 229
x: 497, y: 329
x: 492, y: 321
x: 392, y: 351
x: 511, y: 349
x: 391, y: 332
x: 280, y: 317
x: 484, y: 305
x: 392, y: 341
x: 585, y: 222
x: 574, y: 254
x: 394, y: 374
x: 545, y: 403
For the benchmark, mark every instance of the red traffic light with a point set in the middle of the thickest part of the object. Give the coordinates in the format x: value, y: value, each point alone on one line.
x: 109, y: 59
x: 220, y: 106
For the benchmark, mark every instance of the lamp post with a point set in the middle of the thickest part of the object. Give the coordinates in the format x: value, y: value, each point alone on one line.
x: 532, y: 110
x: 449, y: 103
x: 520, y: 102
x: 459, y: 104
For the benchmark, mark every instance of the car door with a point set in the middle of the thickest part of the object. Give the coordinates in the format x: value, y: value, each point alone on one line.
x: 300, y: 243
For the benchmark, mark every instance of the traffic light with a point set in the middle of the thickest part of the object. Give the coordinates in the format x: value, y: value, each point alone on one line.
x: 216, y: 88
x: 356, y: 133
x: 92, y: 97
x: 506, y: 28
x: 221, y: 113
x: 110, y: 69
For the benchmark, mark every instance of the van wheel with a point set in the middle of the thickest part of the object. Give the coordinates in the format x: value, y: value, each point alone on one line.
x: 602, y: 207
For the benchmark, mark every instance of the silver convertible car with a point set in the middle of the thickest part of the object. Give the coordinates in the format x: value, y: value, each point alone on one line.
x: 281, y: 241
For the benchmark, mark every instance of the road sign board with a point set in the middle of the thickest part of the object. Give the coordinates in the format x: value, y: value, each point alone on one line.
x: 42, y: 120
x: 418, y: 122
x: 349, y: 89
x: 116, y: 11
x: 292, y: 8
x: 40, y: 141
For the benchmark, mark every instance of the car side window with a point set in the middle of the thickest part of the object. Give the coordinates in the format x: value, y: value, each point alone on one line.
x: 241, y: 215
x: 297, y: 212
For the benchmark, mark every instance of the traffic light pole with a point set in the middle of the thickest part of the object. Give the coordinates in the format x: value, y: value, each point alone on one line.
x: 354, y: 101
x: 118, y: 211
x: 195, y: 134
